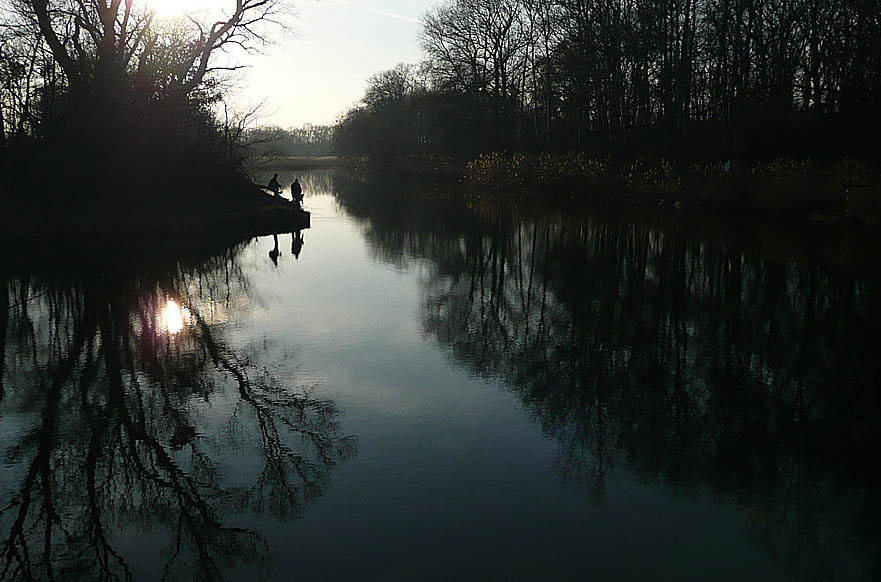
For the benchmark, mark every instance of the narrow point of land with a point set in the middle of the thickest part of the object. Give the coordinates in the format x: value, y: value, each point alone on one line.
x: 252, y: 212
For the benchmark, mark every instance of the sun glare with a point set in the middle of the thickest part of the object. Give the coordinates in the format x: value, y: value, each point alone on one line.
x: 179, y: 8
x: 174, y: 317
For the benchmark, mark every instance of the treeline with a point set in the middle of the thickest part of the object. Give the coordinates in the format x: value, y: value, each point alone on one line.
x: 309, y: 140
x: 686, y: 78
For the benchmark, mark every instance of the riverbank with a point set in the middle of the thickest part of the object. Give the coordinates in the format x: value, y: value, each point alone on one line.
x: 300, y: 162
x: 845, y: 191
x: 247, y: 211
x: 428, y: 204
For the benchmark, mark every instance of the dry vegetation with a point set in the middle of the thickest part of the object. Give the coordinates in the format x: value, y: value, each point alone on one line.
x: 849, y: 189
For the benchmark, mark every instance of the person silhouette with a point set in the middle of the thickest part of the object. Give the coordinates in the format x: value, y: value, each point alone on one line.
x: 274, y: 253
x: 296, y: 244
x: 274, y: 186
x: 297, y: 192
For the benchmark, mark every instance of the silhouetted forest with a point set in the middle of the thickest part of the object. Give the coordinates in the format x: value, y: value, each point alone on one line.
x: 103, y: 104
x: 686, y: 79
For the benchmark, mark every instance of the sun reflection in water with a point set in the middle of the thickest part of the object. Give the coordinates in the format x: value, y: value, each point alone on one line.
x: 174, y: 317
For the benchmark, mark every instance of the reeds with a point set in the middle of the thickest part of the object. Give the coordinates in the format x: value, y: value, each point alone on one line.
x: 780, y: 186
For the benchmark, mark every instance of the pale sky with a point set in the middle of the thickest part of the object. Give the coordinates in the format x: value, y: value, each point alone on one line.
x: 316, y: 72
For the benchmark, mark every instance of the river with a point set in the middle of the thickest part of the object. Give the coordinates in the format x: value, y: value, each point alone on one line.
x: 412, y: 390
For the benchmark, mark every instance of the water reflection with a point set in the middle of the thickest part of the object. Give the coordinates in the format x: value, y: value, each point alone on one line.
x: 274, y: 253
x: 135, y: 438
x: 697, y: 361
x: 174, y: 318
x: 297, y: 242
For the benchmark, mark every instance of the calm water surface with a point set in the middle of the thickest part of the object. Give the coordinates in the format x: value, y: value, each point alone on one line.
x: 405, y: 391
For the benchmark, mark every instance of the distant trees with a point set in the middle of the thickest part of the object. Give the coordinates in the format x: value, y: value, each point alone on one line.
x: 309, y: 140
x: 687, y: 75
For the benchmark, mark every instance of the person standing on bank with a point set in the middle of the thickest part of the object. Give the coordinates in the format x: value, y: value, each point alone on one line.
x: 297, y: 192
x: 274, y: 186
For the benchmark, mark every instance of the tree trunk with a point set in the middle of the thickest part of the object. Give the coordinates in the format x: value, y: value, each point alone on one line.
x: 2, y: 129
x: 4, y: 324
x: 68, y: 65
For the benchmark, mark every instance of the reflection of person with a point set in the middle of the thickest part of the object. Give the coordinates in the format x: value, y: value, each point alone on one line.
x: 274, y: 186
x: 297, y: 192
x: 274, y: 253
x: 296, y: 244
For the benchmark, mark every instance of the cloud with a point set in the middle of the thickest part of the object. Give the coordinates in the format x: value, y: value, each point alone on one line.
x: 378, y: 11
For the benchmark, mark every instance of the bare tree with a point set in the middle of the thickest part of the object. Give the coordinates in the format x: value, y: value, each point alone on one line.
x: 102, y: 43
x: 390, y: 87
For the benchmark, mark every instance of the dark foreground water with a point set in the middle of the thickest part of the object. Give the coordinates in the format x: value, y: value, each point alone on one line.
x: 406, y: 391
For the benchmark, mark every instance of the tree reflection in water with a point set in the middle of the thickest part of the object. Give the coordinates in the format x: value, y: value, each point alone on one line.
x: 700, y: 362
x: 117, y: 423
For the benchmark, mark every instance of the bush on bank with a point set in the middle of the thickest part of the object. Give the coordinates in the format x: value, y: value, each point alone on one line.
x: 783, y: 186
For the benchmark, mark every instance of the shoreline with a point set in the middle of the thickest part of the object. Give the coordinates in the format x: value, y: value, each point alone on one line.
x: 252, y: 213
x: 836, y: 193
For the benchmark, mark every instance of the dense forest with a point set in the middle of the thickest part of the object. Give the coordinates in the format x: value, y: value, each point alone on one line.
x: 690, y: 79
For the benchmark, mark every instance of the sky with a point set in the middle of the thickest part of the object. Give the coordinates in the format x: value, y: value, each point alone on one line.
x: 319, y: 69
